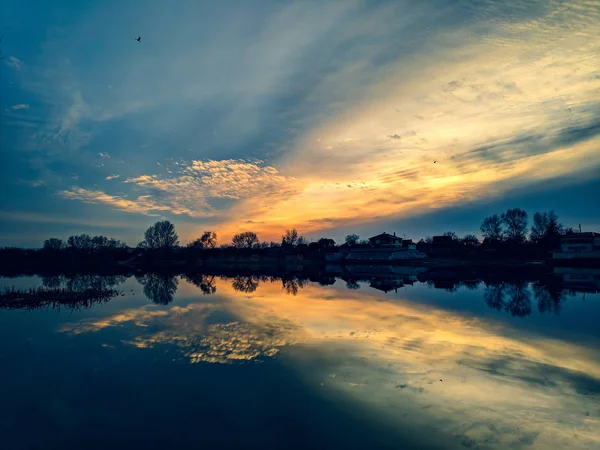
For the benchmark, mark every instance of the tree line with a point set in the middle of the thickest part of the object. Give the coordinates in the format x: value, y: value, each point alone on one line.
x: 509, y: 226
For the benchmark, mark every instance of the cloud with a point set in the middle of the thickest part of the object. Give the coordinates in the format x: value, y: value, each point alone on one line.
x: 143, y: 204
x: 14, y: 62
x: 20, y: 106
x: 195, y: 183
x: 104, y: 155
x: 112, y: 177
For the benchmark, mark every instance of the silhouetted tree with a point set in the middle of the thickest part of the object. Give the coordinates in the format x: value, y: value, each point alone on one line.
x: 207, y: 240
x: 545, y: 229
x: 492, y: 228
x: 204, y: 282
x: 159, y: 288
x: 290, y: 237
x: 428, y: 240
x: 470, y: 240
x: 352, y: 239
x: 52, y: 282
x: 519, y: 300
x: 81, y: 242
x: 53, y: 244
x: 291, y: 286
x: 301, y: 240
x: 516, y: 224
x: 549, y: 297
x: 244, y: 284
x: 161, y: 236
x: 245, y: 240
x: 493, y: 295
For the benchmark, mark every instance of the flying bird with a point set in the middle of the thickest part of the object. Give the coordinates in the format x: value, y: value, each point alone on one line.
x: 434, y: 162
x: 139, y: 39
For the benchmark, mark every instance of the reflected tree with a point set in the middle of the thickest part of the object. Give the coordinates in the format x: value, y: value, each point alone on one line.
x: 292, y: 285
x: 206, y: 283
x: 519, y: 299
x: 549, y: 297
x: 353, y: 285
x: 159, y: 288
x: 247, y: 284
x: 493, y: 295
x: 53, y: 282
x: 471, y: 285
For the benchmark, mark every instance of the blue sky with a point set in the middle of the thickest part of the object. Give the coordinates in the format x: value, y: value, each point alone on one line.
x: 267, y: 115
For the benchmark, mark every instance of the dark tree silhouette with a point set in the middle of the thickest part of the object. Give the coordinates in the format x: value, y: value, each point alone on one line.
x: 207, y: 240
x: 352, y: 239
x: 516, y: 224
x: 290, y: 237
x: 549, y: 297
x: 206, y: 283
x: 81, y: 242
x: 545, y: 229
x: 161, y: 236
x: 159, y: 288
x: 519, y: 300
x: 53, y: 244
x: 492, y: 228
x: 470, y: 240
x: 291, y: 286
x: 247, y: 239
x: 52, y: 282
x: 493, y: 295
x: 245, y: 284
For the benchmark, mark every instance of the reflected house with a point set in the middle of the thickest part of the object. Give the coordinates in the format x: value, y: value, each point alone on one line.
x: 387, y: 283
x: 386, y: 240
x: 579, y: 246
x: 580, y: 279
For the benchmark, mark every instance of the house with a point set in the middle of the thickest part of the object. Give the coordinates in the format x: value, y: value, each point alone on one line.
x: 580, y: 242
x: 408, y: 244
x: 581, y: 246
x: 326, y: 243
x: 386, y: 240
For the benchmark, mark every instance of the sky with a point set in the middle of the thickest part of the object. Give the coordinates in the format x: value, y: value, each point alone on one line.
x: 331, y: 117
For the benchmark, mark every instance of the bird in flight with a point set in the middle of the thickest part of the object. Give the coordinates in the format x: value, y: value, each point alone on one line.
x: 139, y: 39
x: 434, y: 162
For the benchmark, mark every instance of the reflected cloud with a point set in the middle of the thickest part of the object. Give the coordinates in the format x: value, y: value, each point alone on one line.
x: 482, y: 383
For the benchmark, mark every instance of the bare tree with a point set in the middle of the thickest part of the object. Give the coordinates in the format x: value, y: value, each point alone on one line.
x: 516, y: 224
x: 161, y: 236
x: 545, y: 227
x: 352, y: 239
x: 247, y: 239
x: 469, y: 239
x: 290, y: 237
x: 207, y: 240
x: 492, y: 228
x: 53, y: 244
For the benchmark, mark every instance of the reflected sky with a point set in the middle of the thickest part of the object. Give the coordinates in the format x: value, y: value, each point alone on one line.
x: 444, y: 363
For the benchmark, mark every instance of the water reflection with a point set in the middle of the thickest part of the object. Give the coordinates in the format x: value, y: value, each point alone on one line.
x: 471, y: 381
x: 160, y: 288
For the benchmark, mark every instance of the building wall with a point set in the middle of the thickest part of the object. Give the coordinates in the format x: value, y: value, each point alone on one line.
x: 577, y: 244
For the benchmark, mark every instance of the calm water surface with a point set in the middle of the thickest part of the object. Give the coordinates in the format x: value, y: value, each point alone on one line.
x: 249, y: 362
